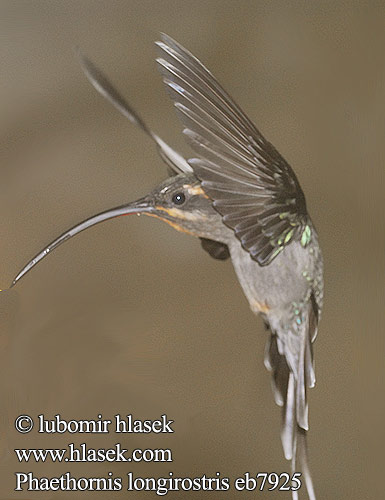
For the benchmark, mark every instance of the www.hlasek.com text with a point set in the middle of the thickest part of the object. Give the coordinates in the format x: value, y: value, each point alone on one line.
x: 83, y: 453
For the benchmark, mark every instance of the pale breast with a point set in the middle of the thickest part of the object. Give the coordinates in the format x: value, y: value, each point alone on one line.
x: 283, y: 281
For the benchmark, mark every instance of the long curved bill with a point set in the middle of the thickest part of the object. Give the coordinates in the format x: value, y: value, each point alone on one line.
x: 137, y: 207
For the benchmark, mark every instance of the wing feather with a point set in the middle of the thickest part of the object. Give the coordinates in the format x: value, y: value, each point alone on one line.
x: 237, y: 166
x: 101, y: 83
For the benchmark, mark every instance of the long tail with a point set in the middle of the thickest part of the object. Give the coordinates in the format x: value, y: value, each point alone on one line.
x: 289, y: 356
x: 299, y: 452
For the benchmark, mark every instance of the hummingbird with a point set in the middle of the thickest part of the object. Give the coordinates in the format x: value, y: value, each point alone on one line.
x: 244, y: 202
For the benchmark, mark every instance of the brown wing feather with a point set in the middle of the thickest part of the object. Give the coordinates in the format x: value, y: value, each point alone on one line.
x: 252, y: 186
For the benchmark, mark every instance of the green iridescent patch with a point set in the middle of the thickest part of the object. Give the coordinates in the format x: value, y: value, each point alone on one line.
x: 289, y: 236
x: 283, y: 239
x: 306, y: 236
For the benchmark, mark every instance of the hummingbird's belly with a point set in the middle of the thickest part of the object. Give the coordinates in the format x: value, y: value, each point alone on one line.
x: 278, y: 284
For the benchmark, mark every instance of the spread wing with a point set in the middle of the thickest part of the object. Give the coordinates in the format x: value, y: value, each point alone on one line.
x: 251, y: 185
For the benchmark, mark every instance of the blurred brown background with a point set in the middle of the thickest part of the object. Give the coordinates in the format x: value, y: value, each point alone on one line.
x: 133, y: 317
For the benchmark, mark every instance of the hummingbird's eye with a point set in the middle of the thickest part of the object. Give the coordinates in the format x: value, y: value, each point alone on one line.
x: 178, y: 198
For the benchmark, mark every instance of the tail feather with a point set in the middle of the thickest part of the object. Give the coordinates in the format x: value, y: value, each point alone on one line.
x: 301, y: 385
x: 301, y: 456
x: 276, y: 364
x: 289, y: 356
x: 289, y: 425
x: 309, y: 365
x: 304, y: 462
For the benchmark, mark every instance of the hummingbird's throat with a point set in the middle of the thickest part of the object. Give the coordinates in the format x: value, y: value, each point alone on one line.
x: 177, y: 213
x: 171, y: 223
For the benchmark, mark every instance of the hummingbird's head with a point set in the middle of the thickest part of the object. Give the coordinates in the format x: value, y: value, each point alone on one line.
x: 180, y: 201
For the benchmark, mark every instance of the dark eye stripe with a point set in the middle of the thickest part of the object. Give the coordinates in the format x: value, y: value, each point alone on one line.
x: 178, y: 198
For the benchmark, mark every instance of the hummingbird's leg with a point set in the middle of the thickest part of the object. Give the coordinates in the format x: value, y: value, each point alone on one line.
x: 216, y: 249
